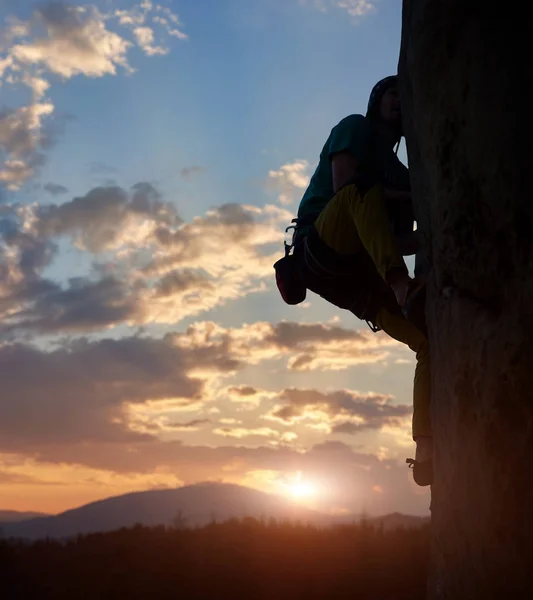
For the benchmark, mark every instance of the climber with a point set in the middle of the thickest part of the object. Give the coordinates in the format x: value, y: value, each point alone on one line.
x: 355, y: 224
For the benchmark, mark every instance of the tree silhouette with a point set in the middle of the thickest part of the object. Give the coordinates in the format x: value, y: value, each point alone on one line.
x: 180, y: 520
x: 236, y: 559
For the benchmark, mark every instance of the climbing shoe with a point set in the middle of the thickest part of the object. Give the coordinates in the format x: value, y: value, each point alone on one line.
x: 422, y: 471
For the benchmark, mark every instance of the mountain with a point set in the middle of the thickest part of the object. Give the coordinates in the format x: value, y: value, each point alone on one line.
x: 15, y: 516
x: 397, y: 520
x: 193, y: 505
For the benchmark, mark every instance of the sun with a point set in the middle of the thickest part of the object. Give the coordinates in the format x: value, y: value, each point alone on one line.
x: 299, y: 488
x: 303, y: 490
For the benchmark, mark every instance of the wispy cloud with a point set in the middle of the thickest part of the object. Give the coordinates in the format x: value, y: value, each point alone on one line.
x: 191, y: 172
x: 244, y: 432
x: 355, y: 8
x: 289, y: 181
x: 55, y: 189
x: 192, y: 425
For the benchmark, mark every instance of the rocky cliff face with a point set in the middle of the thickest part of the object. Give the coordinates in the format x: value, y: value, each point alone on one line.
x: 465, y: 71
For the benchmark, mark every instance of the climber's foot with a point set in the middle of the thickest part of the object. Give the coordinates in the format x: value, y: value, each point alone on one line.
x: 422, y: 471
x: 422, y: 464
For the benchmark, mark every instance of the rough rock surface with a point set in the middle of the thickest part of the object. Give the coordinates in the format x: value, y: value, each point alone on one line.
x: 465, y: 72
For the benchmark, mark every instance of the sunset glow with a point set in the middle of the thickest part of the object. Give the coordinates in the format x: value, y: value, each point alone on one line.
x: 303, y: 490
x: 298, y: 488
x: 151, y: 156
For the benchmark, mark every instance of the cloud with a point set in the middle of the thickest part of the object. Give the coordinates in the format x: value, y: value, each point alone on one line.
x: 74, y: 41
x: 245, y: 397
x: 341, y: 411
x: 129, y: 390
x: 22, y: 141
x: 191, y: 172
x: 12, y: 477
x: 243, y: 432
x: 148, y: 264
x: 289, y: 181
x: 141, y: 15
x: 192, y: 425
x: 242, y: 391
x: 355, y: 8
x: 308, y: 346
x: 55, y: 189
x: 65, y: 41
x: 87, y: 391
x: 107, y: 217
x: 80, y: 306
x: 145, y: 39
x: 183, y: 281
x: 98, y: 168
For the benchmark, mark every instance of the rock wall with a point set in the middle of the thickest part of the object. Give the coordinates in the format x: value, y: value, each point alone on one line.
x: 465, y: 73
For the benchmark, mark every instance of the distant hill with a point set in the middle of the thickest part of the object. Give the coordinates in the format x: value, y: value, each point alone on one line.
x: 196, y: 504
x: 193, y: 505
x: 396, y: 520
x: 15, y: 516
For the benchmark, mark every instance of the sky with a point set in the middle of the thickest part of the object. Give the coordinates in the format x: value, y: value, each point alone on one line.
x: 151, y: 155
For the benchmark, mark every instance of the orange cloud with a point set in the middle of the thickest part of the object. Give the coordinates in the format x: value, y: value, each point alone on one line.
x: 341, y: 411
x: 307, y: 346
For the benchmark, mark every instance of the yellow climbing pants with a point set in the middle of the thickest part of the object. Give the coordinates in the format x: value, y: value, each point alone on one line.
x: 347, y: 224
x: 350, y: 220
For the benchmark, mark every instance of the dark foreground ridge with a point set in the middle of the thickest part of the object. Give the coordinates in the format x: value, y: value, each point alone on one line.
x: 246, y: 558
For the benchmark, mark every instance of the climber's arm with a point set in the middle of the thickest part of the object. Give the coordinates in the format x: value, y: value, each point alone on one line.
x: 349, y: 147
x: 344, y: 166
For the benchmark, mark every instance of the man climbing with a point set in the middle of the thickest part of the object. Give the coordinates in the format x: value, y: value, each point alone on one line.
x: 355, y: 224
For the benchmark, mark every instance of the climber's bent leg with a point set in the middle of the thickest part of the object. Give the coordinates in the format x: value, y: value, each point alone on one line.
x: 402, y: 330
x: 351, y: 219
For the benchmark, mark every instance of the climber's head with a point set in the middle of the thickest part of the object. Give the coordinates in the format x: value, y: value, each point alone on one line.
x: 384, y: 103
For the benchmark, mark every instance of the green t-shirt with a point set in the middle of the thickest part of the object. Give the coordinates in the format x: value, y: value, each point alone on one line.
x: 356, y: 135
